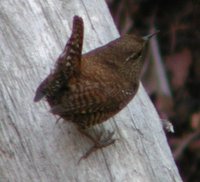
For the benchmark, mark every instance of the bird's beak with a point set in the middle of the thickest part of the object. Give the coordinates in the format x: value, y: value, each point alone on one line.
x: 148, y: 37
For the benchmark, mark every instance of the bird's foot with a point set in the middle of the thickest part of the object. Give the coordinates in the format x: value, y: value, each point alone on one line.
x: 98, y: 143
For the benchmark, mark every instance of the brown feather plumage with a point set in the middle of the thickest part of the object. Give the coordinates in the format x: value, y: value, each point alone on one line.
x: 88, y: 89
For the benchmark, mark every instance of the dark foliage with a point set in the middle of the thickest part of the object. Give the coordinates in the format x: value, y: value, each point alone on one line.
x: 179, y: 44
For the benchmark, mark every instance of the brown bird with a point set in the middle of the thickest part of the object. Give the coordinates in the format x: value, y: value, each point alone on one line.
x: 88, y: 89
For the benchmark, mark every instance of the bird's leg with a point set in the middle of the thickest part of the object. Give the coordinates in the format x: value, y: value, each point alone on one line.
x: 58, y: 120
x: 98, y: 143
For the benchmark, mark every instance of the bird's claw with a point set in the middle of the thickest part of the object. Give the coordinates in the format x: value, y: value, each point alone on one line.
x: 99, y: 144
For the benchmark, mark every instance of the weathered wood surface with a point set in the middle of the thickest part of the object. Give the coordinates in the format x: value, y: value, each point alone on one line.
x: 32, y: 146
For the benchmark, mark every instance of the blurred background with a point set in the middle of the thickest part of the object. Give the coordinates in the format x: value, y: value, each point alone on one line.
x: 171, y: 74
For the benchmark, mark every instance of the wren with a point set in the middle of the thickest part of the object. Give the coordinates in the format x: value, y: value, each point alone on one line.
x: 88, y: 89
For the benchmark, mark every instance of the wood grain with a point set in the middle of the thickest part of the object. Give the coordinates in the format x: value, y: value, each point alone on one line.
x: 34, y: 148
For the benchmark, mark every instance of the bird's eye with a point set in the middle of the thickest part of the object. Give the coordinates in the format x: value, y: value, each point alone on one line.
x: 134, y: 55
x: 138, y: 54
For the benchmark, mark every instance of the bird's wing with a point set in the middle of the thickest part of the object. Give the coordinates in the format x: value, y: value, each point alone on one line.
x: 87, y: 99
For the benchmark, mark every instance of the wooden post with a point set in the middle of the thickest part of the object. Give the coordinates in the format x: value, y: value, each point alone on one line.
x: 34, y: 148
